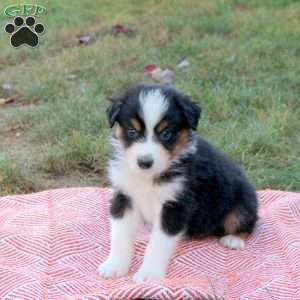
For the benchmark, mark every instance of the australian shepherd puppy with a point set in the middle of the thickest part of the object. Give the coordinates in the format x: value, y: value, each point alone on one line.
x: 164, y: 174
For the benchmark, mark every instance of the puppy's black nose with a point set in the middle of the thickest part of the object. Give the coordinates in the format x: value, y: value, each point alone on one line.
x: 145, y: 162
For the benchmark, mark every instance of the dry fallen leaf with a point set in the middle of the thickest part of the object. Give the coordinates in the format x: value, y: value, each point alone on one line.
x: 7, y: 86
x: 183, y: 64
x: 119, y: 28
x: 12, y: 99
x: 85, y: 39
x: 149, y: 68
x: 8, y: 100
x: 163, y: 76
x: 72, y: 76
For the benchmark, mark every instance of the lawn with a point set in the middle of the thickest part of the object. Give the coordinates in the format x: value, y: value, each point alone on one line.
x: 244, y: 72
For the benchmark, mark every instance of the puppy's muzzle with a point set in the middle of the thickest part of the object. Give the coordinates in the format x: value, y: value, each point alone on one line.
x: 145, y: 162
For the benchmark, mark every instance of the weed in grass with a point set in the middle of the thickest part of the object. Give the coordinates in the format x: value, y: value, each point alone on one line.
x: 15, y: 179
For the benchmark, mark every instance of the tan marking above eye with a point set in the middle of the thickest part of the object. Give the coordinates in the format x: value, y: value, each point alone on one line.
x: 136, y: 124
x: 162, y: 126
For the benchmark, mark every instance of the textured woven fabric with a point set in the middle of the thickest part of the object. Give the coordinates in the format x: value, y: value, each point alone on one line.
x: 52, y: 242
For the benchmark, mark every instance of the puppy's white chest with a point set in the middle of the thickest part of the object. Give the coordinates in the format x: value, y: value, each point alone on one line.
x: 146, y: 199
x: 147, y: 196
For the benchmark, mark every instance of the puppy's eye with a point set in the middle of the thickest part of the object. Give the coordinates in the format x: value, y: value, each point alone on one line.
x: 166, y: 135
x: 132, y: 133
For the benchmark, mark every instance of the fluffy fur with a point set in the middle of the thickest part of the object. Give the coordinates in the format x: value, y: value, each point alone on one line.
x: 164, y: 174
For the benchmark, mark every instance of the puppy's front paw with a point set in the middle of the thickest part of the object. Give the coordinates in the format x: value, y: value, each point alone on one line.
x: 112, y: 268
x: 146, y: 273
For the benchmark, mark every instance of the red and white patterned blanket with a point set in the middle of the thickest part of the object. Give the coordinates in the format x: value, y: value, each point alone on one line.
x: 52, y: 242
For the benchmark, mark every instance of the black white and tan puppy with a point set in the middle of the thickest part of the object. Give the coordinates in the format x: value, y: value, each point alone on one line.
x: 164, y: 174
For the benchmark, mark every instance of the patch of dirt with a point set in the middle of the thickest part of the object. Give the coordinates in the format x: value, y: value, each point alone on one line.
x: 14, y: 141
x: 76, y: 179
x: 241, y: 7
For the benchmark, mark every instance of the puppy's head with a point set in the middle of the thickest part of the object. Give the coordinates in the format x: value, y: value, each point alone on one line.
x: 153, y: 124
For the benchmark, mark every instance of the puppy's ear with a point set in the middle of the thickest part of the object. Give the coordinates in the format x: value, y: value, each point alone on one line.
x: 116, y: 102
x: 114, y: 108
x: 191, y: 110
x: 112, y: 113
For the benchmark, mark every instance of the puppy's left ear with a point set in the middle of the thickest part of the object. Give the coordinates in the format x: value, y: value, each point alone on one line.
x: 191, y: 110
x: 112, y: 112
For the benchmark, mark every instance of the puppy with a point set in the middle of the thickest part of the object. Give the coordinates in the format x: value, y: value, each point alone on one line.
x: 164, y: 174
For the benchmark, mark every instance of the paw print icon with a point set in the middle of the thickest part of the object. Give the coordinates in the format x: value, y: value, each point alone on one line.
x: 24, y: 32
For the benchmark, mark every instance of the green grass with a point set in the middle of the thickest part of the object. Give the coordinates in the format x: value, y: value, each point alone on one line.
x: 244, y: 72
x: 13, y: 179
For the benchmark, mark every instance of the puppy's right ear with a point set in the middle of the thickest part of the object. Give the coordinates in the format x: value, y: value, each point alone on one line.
x: 112, y: 112
x: 116, y: 101
x: 191, y: 110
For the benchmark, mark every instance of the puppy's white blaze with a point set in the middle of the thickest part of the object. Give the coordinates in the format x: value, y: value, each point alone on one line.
x: 157, y: 255
x: 153, y: 104
x: 123, y: 232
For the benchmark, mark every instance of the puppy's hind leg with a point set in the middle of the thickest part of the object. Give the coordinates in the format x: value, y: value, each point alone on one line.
x: 232, y: 226
x: 240, y: 222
